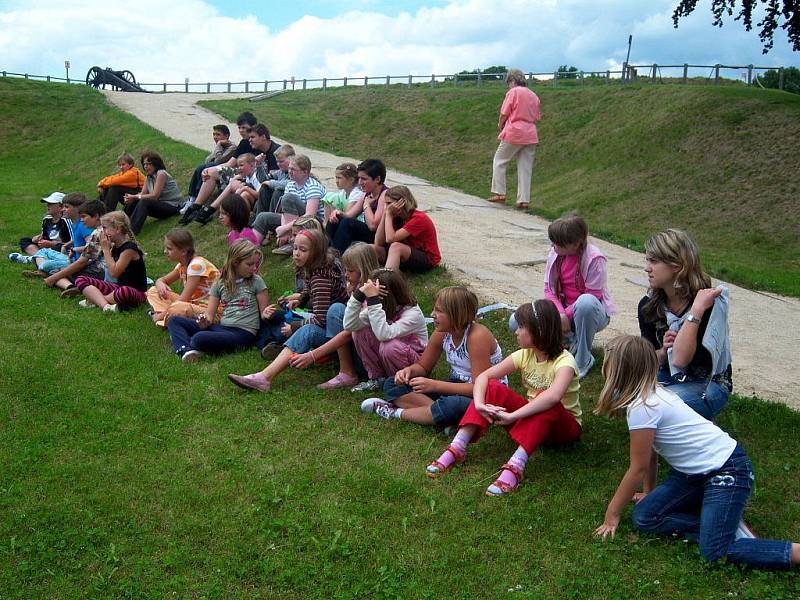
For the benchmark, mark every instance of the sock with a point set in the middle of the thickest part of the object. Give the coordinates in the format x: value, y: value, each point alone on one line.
x: 397, y: 413
x: 519, y: 459
x: 459, y: 443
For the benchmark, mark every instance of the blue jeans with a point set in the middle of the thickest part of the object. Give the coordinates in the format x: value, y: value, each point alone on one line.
x: 707, y: 508
x: 187, y: 335
x: 52, y: 260
x: 707, y: 399
x: 445, y: 410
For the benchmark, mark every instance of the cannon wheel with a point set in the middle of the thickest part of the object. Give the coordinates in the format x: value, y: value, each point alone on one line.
x: 128, y: 76
x: 95, y: 78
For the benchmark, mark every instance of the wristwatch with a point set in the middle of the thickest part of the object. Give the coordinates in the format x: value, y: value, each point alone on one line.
x: 692, y: 319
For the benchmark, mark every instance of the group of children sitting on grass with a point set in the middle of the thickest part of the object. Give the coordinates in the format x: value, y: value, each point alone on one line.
x: 671, y: 382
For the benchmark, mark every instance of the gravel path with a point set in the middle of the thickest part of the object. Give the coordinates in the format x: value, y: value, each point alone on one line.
x: 500, y: 253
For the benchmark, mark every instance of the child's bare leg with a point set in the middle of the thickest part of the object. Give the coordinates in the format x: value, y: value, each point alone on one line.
x: 413, y: 400
x: 421, y: 415
x: 346, y: 365
x: 279, y: 365
x: 381, y: 252
x: 206, y: 189
x: 95, y: 296
x: 456, y: 451
x: 398, y: 253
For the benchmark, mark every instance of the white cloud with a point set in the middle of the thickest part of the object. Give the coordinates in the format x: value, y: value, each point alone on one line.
x: 189, y: 38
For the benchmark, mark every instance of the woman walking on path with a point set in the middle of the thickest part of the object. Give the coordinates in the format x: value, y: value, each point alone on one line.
x: 518, y: 138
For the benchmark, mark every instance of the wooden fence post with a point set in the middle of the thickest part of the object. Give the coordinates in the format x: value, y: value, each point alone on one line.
x: 716, y: 74
x: 246, y: 87
x: 749, y: 74
x: 345, y: 82
x: 266, y: 85
x: 410, y: 77
x: 304, y: 83
x: 479, y: 78
x: 208, y: 87
x: 388, y: 80
x: 165, y: 87
x: 581, y: 76
x: 229, y: 87
x: 685, y: 73
x: 780, y: 78
x: 433, y: 80
x: 455, y: 80
x: 366, y: 81
x: 324, y: 83
x: 608, y: 76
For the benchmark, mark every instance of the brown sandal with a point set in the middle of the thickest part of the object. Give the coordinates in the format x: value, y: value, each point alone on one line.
x: 502, y: 485
x: 459, y: 457
x: 497, y: 198
x: 522, y: 205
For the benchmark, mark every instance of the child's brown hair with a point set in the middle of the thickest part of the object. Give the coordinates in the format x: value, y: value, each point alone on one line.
x: 75, y: 199
x: 238, y: 211
x: 319, y: 255
x: 567, y: 230
x: 404, y: 199
x: 399, y: 293
x: 182, y: 239
x: 543, y: 322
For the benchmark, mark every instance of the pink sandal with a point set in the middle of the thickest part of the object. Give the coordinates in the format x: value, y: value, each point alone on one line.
x: 342, y: 380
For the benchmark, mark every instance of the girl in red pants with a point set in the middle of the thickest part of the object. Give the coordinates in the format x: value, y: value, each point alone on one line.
x: 551, y: 414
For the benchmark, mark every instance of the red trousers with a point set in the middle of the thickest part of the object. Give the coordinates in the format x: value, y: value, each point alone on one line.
x: 554, y: 426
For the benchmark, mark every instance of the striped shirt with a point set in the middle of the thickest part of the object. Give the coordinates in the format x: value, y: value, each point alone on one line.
x: 323, y: 287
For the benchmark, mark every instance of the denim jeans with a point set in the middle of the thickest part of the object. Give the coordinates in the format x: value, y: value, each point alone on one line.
x: 707, y: 509
x: 707, y: 399
x: 187, y: 335
x: 52, y: 260
x: 445, y: 410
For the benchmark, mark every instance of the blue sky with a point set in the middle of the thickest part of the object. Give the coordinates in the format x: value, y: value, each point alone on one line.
x: 218, y: 40
x: 278, y: 15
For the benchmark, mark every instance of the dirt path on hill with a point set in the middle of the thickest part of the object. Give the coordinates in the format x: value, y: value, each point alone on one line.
x: 500, y: 253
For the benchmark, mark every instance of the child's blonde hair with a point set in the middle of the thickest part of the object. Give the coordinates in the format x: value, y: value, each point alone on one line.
x: 247, y: 157
x: 459, y: 304
x: 306, y: 222
x: 182, y: 239
x: 675, y: 248
x: 119, y: 220
x: 126, y: 158
x: 404, y: 199
x: 239, y: 252
x: 284, y: 151
x: 361, y: 257
x: 630, y: 368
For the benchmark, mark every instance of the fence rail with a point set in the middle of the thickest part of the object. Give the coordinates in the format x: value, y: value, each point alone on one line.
x: 685, y: 73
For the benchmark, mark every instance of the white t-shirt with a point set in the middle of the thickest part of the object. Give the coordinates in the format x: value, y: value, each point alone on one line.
x: 687, y: 441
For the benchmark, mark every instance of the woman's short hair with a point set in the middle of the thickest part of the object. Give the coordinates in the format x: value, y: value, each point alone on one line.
x: 516, y: 77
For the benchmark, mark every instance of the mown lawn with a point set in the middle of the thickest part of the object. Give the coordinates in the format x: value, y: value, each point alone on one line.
x: 126, y: 474
x: 719, y: 162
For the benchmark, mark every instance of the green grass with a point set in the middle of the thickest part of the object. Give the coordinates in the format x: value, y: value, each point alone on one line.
x: 126, y: 474
x: 719, y: 162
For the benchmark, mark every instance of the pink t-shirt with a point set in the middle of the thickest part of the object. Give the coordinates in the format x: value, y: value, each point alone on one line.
x: 521, y: 109
x: 245, y: 234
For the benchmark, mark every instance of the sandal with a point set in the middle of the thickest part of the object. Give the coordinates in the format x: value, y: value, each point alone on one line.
x: 522, y: 205
x: 503, y: 487
x: 497, y: 198
x: 459, y: 457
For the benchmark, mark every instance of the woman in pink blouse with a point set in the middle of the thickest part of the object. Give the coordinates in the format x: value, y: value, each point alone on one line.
x: 518, y: 138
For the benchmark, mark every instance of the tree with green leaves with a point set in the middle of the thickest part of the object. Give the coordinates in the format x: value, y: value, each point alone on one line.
x: 778, y: 13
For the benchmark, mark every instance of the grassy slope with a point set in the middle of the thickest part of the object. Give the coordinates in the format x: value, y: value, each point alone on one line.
x: 717, y: 161
x: 124, y: 473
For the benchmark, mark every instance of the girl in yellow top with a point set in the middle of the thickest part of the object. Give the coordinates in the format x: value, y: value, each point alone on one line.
x: 195, y: 272
x: 551, y: 414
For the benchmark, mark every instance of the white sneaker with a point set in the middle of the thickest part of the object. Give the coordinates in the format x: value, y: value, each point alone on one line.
x: 86, y: 304
x: 192, y: 356
x: 20, y: 258
x: 110, y: 308
x: 186, y: 205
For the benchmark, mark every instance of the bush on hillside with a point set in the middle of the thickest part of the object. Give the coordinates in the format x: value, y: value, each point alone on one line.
x: 791, y: 79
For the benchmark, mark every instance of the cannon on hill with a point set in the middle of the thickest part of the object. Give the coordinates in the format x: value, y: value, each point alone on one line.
x: 117, y: 80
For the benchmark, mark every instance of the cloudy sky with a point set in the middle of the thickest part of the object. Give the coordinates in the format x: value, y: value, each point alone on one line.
x: 223, y: 40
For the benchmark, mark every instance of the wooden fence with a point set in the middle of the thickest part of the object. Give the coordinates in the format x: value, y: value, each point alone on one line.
x: 651, y: 73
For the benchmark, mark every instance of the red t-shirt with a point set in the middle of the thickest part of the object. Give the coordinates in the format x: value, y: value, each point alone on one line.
x: 422, y: 236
